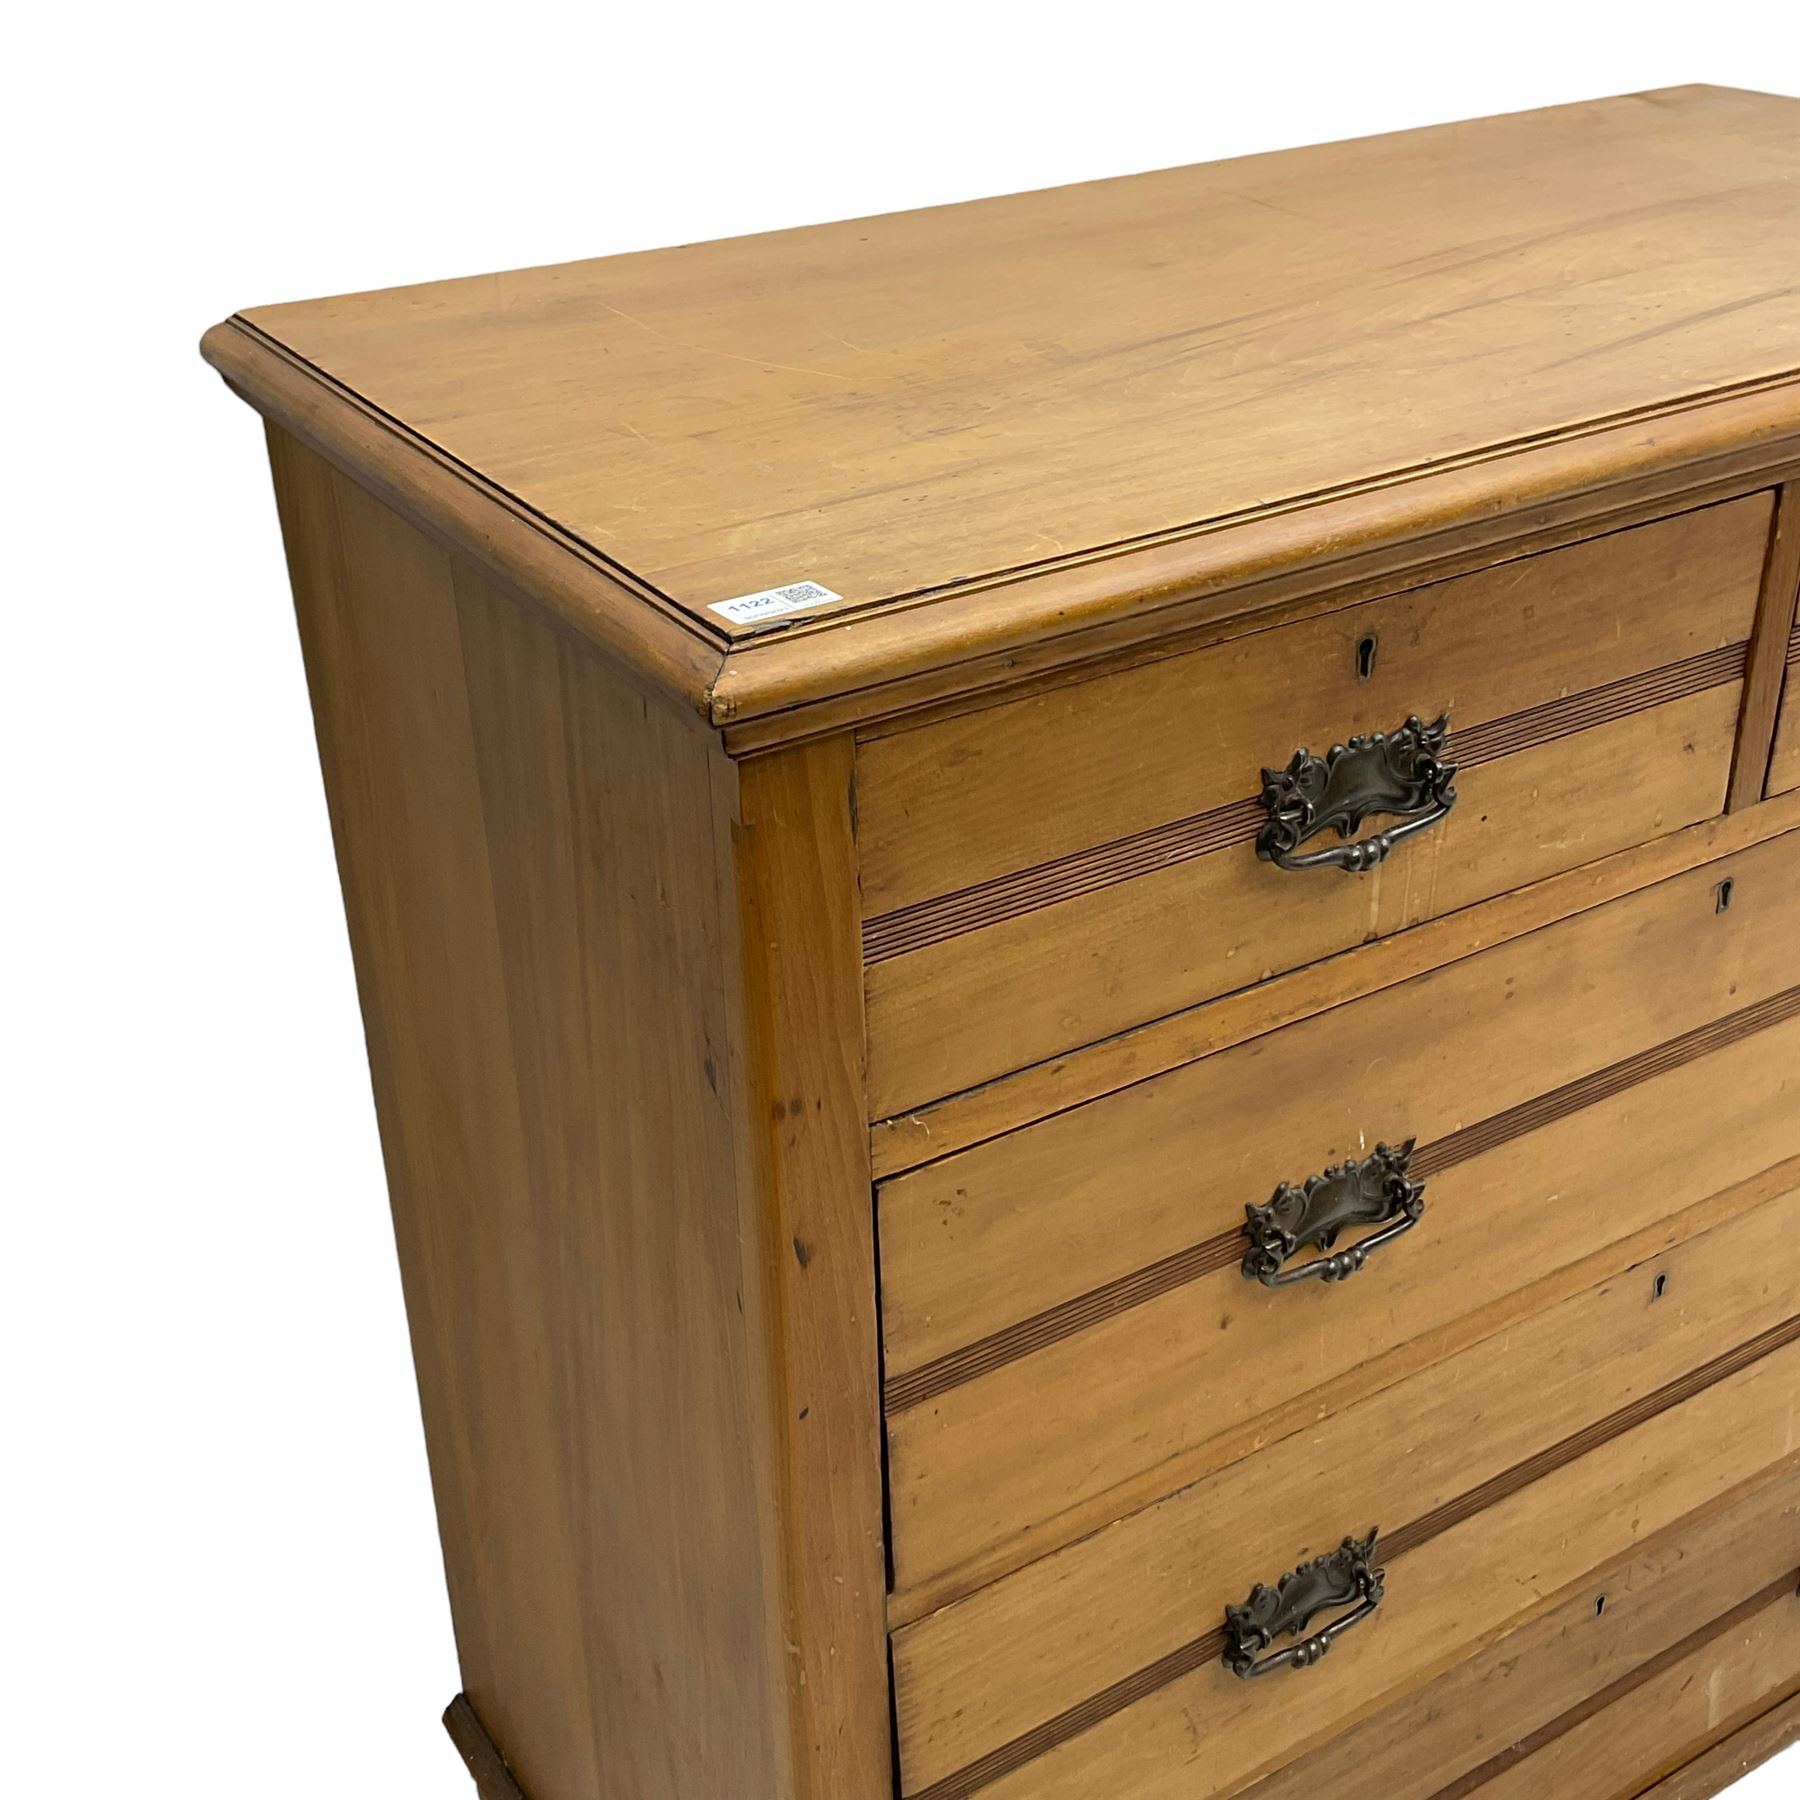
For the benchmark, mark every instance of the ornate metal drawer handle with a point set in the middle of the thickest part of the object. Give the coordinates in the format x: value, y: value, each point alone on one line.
x: 1395, y: 774
x: 1287, y: 1609
x: 1375, y: 1191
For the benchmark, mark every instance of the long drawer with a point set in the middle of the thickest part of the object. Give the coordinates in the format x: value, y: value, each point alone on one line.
x: 1069, y: 1329
x: 1497, y: 1476
x: 1038, y: 875
x: 1723, y: 1680
x: 1623, y: 1640
x: 1701, y: 1698
x: 1784, y: 772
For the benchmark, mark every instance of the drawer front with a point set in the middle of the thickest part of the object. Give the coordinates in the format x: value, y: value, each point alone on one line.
x: 1671, y: 1713
x: 1069, y: 1330
x: 1498, y: 1477
x: 1784, y: 773
x: 1040, y: 874
x: 1691, y: 1599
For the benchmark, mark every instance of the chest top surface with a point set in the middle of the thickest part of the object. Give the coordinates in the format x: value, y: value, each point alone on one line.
x: 912, y: 410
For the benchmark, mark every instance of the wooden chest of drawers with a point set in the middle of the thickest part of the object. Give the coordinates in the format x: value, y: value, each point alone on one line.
x: 1080, y: 928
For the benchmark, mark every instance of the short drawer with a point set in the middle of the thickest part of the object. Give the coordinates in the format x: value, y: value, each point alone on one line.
x: 1068, y: 1324
x: 1784, y: 772
x: 1040, y: 874
x: 1497, y: 1477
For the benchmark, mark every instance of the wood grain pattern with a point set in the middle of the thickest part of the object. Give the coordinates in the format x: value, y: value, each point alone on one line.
x: 917, y: 659
x: 1264, y: 604
x: 507, y: 806
x: 1127, y: 489
x: 969, y: 1009
x: 911, y: 1139
x: 1010, y: 788
x: 1561, y: 1745
x: 1599, y: 1631
x: 1627, y: 1129
x: 999, y: 1233
x: 915, y: 1386
x: 487, y: 1767
x: 874, y: 396
x: 1733, y: 1757
x: 471, y: 516
x: 1206, y: 1652
x: 1784, y: 766
x: 1238, y: 822
x: 893, y: 439
x: 1673, y: 1709
x: 985, y: 1672
x: 1189, y: 1728
x: 1763, y: 679
x: 1036, y: 1452
x: 603, y: 1231
x: 799, y: 906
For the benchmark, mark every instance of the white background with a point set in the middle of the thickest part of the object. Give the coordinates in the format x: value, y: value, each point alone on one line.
x: 221, y: 1570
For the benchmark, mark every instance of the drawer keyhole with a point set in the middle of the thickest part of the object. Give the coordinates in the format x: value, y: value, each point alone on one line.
x: 1365, y: 656
x: 1727, y: 888
x: 1659, y: 1287
x: 1599, y: 1605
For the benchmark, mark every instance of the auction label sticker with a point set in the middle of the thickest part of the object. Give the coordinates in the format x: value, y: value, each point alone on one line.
x: 771, y: 603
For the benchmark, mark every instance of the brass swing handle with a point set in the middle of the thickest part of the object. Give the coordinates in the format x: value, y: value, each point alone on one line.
x: 1392, y: 773
x: 1287, y: 1609
x: 1375, y: 1191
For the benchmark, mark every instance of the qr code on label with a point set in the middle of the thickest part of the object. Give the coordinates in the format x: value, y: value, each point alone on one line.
x: 767, y: 603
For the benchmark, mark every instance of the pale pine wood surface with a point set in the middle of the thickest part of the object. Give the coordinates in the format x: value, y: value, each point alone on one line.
x: 1127, y: 470
x: 1208, y: 1735
x: 1714, y: 1691
x: 537, y: 861
x: 1003, y: 788
x: 1526, y: 1682
x: 1586, y: 1513
x: 891, y: 404
x: 1784, y: 768
x: 796, y: 874
x: 1763, y: 677
x: 904, y: 1142
x: 1733, y: 1757
x: 1067, y: 1437
x: 469, y: 516
x: 954, y: 1014
x: 1080, y: 829
x: 1475, y: 1587
x: 976, y: 1241
x: 975, y: 1675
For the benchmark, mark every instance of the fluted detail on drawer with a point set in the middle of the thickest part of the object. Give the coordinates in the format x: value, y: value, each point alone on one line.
x: 1412, y: 1536
x: 918, y: 1386
x: 927, y: 922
